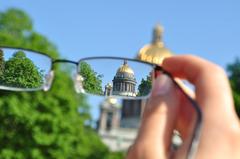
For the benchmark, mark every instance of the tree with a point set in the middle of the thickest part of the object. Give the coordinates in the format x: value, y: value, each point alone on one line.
x: 234, y: 76
x: 1, y: 63
x: 115, y: 155
x: 145, y: 86
x: 21, y: 72
x: 92, y: 81
x: 43, y: 125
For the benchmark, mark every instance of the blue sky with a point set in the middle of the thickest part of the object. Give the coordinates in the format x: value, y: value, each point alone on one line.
x: 120, y: 28
x: 209, y: 29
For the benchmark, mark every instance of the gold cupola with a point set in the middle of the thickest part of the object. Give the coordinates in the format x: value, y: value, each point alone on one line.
x: 154, y: 52
x: 125, y: 68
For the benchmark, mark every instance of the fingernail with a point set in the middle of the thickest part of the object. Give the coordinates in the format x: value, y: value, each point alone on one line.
x: 161, y: 85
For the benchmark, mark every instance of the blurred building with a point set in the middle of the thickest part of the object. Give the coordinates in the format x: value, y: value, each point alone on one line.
x: 118, y: 124
x: 112, y: 134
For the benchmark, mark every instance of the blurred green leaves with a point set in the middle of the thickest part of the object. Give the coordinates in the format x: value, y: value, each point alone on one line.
x: 15, y: 22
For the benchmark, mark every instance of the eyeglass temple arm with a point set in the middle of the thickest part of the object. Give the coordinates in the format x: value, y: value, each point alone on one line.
x: 157, y: 71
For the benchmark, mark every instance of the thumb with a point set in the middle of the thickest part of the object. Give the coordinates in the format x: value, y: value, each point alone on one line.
x: 158, y: 122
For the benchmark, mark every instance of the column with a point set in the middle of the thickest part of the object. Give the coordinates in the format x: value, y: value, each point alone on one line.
x: 120, y: 87
x: 103, y: 121
x: 115, y: 119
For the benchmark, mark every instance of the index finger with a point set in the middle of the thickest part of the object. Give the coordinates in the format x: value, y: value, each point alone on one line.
x: 209, y: 79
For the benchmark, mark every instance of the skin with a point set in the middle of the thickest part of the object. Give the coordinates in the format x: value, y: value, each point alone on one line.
x: 164, y: 112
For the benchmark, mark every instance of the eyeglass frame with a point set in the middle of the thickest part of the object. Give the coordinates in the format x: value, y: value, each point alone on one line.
x: 198, y: 126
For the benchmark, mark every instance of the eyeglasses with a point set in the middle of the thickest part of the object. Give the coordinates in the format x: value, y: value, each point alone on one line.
x: 28, y: 70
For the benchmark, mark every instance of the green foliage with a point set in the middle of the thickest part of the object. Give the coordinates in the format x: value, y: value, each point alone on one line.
x: 43, y: 125
x: 234, y: 76
x: 145, y: 86
x: 15, y: 22
x: 21, y: 72
x: 16, y: 30
x: 1, y: 63
x: 92, y: 81
x: 115, y: 155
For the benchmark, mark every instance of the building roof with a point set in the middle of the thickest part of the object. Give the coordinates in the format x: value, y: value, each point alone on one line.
x: 125, y: 69
x: 156, y: 51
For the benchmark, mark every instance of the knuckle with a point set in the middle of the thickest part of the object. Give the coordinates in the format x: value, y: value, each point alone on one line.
x: 232, y: 132
x: 214, y: 70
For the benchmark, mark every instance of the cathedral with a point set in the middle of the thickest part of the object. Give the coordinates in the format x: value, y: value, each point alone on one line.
x: 119, y: 121
x: 124, y: 81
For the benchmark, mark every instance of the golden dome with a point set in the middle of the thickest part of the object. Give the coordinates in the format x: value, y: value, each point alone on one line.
x: 154, y: 52
x: 125, y: 68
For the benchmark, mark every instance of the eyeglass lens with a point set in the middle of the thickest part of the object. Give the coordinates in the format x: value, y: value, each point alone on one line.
x: 116, y: 77
x: 23, y: 69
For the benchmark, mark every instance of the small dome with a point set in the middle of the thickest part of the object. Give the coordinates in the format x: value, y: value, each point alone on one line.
x: 109, y: 85
x: 154, y: 52
x: 125, y: 69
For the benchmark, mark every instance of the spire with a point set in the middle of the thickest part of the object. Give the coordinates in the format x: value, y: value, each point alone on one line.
x: 125, y: 62
x: 157, y: 34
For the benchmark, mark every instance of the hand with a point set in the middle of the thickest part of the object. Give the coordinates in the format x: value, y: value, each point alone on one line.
x: 220, y: 137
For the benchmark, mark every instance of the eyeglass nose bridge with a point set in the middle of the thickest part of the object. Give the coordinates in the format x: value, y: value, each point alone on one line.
x: 78, y: 83
x: 64, y: 61
x: 77, y: 78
